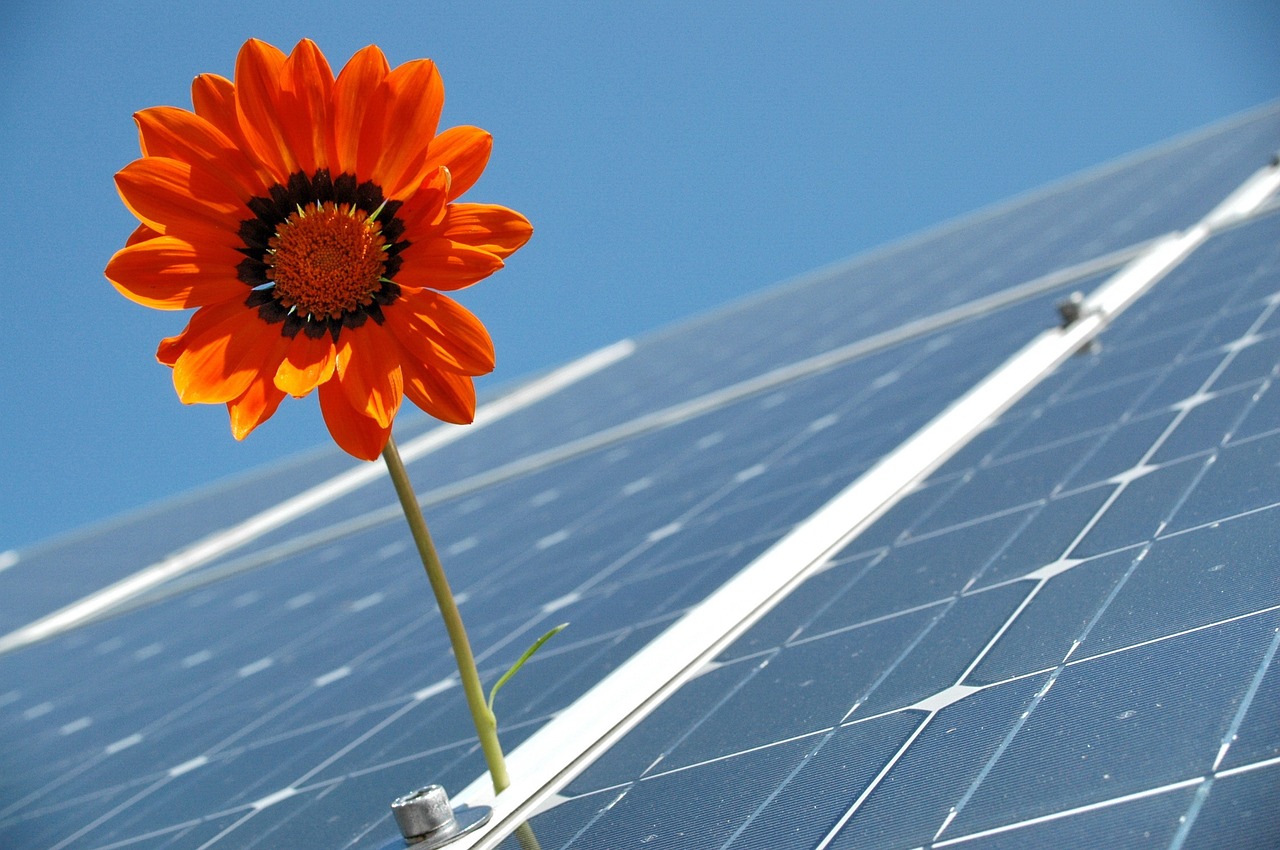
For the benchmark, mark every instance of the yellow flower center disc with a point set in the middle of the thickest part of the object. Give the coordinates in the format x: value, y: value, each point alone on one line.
x: 327, y: 260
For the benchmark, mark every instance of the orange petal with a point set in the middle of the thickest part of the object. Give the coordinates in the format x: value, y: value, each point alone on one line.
x: 438, y: 331
x: 355, y: 433
x: 309, y: 362
x: 465, y: 152
x: 223, y: 349
x: 495, y: 229
x: 171, y: 347
x: 369, y: 372
x: 169, y: 274
x: 446, y: 396
x: 214, y: 99
x: 425, y: 204
x: 178, y: 134
x: 437, y: 263
x: 411, y: 98
x: 258, y: 70
x: 254, y: 406
x: 352, y: 93
x: 173, y: 197
x: 141, y: 233
x: 306, y: 91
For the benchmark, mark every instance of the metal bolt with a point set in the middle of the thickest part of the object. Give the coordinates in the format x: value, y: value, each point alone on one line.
x: 426, y: 819
x: 1070, y: 309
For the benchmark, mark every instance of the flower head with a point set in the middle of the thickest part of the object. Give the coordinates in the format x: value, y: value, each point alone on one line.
x: 312, y: 222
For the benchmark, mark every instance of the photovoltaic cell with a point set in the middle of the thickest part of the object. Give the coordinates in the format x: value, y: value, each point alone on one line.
x: 948, y: 678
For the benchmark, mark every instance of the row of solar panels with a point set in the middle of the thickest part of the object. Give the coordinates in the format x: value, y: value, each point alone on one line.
x: 1063, y: 633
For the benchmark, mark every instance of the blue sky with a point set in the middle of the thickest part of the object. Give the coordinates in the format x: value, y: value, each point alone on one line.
x: 672, y: 157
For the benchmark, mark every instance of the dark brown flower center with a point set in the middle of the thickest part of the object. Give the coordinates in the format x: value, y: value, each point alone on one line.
x: 321, y: 254
x: 327, y: 261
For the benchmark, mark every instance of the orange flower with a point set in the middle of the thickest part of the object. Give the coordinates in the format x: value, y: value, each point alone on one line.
x: 312, y: 222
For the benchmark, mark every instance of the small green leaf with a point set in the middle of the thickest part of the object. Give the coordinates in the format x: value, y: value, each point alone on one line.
x: 528, y: 653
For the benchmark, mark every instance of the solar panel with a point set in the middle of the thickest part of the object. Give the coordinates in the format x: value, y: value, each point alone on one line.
x: 947, y: 677
x: 1070, y: 631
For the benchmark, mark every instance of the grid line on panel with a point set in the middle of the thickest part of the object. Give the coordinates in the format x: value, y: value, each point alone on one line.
x: 1089, y: 807
x: 1170, y: 636
x: 1206, y: 786
x: 1249, y: 768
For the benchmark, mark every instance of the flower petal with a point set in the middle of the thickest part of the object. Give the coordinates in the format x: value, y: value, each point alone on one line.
x: 141, y: 233
x: 222, y: 350
x: 438, y: 263
x: 178, y: 134
x: 352, y: 92
x: 257, y: 88
x: 173, y: 197
x: 369, y: 372
x: 465, y: 152
x: 306, y: 92
x: 254, y: 406
x: 425, y: 204
x: 438, y: 331
x: 444, y: 395
x: 309, y: 362
x: 214, y: 98
x: 495, y: 229
x: 398, y: 130
x: 170, y: 348
x: 354, y: 432
x: 170, y: 274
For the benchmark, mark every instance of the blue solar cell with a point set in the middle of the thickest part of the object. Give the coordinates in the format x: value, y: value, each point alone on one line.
x: 1254, y: 741
x: 1044, y: 536
x: 1121, y: 449
x: 1239, y: 812
x: 910, y: 803
x: 1044, y: 632
x: 917, y: 572
x: 1141, y: 507
x: 1088, y: 739
x: 1219, y: 572
x: 1142, y: 823
x: 839, y: 766
x: 642, y: 815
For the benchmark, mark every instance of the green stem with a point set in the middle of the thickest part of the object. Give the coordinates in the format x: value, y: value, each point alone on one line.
x: 524, y: 835
x: 486, y: 723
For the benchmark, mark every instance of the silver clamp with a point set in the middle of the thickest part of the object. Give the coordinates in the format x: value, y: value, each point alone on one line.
x: 427, y: 821
x: 1072, y: 310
